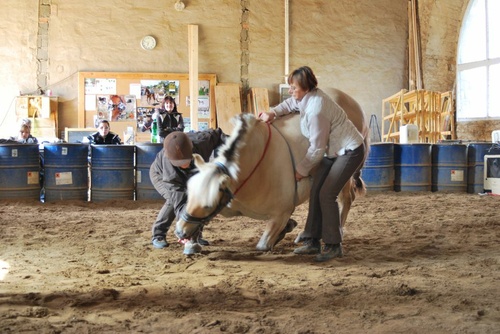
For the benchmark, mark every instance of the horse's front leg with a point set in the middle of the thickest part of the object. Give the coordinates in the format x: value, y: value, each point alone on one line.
x: 276, y: 229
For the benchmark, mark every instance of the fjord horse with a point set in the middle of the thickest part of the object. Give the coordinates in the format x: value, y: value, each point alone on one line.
x: 254, y: 176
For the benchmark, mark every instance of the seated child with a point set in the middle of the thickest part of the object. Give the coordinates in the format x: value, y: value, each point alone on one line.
x: 104, y: 136
x: 25, y: 136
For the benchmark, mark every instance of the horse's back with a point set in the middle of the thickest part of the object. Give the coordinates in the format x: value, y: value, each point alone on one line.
x: 289, y: 127
x: 354, y: 112
x: 352, y: 109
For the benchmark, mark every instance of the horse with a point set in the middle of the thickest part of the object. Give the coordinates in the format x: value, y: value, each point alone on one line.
x: 254, y: 176
x: 150, y: 95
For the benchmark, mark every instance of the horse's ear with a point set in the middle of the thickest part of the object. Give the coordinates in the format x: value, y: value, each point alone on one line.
x: 198, y: 160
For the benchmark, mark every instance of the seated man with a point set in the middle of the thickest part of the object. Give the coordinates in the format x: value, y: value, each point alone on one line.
x: 169, y: 173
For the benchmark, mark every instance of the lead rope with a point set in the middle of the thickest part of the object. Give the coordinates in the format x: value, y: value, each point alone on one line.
x: 260, y: 160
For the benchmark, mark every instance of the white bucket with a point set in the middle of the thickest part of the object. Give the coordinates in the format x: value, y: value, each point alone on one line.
x: 495, y: 136
x: 495, y: 186
x: 408, y: 134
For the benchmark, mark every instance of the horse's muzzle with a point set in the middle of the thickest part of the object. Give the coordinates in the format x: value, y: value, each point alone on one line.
x: 185, y: 230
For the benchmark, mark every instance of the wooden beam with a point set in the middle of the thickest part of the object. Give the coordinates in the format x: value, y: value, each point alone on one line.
x: 411, y: 52
x: 415, y: 23
x: 81, y: 100
x: 193, y: 74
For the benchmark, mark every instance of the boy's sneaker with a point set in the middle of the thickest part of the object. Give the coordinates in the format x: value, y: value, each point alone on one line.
x: 203, y: 242
x: 330, y: 251
x: 311, y: 246
x: 159, y: 242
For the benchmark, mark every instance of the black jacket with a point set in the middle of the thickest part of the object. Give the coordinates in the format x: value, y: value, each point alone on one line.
x: 168, y: 123
x: 111, y: 139
x: 171, y: 181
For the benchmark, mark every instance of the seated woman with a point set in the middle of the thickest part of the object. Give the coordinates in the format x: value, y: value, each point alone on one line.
x: 104, y: 136
x: 24, y: 136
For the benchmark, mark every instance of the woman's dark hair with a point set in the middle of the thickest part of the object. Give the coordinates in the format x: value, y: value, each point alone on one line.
x: 171, y: 99
x: 305, y: 78
x: 103, y: 121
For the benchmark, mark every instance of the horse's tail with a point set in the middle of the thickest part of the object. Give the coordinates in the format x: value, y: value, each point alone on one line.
x: 358, y: 185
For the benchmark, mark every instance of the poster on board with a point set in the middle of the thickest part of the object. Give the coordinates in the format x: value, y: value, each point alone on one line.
x: 154, y: 91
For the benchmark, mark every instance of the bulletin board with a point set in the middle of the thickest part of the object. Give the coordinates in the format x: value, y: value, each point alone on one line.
x: 126, y: 98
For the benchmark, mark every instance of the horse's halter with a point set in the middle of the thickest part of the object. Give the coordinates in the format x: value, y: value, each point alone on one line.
x: 227, y: 197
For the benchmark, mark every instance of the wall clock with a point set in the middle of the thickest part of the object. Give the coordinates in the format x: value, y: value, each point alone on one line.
x: 148, y: 42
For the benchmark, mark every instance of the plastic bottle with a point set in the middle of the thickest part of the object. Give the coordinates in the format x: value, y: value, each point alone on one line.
x: 154, y: 132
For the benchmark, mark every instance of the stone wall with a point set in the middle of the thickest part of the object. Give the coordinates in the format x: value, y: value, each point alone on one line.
x: 357, y: 46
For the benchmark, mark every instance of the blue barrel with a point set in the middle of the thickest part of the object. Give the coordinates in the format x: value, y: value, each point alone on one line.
x: 19, y: 171
x: 145, y: 154
x: 475, y: 166
x: 378, y: 171
x: 66, y: 175
x: 449, y: 167
x: 112, y: 172
x: 412, y: 167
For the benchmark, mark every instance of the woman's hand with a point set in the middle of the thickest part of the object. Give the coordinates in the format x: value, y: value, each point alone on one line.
x: 267, y: 117
x: 298, y: 176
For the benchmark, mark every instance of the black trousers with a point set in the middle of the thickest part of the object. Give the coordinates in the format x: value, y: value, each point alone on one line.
x: 323, y: 219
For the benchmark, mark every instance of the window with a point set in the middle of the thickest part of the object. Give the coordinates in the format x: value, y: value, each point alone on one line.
x: 478, y: 70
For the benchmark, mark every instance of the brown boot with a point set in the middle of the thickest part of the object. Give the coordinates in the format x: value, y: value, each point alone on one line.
x: 330, y: 251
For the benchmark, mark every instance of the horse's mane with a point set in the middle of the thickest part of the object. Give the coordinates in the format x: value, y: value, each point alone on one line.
x: 228, y: 154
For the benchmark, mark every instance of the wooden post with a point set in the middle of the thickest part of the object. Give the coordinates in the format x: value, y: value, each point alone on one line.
x: 411, y: 52
x: 193, y: 74
x: 81, y: 100
x: 415, y: 56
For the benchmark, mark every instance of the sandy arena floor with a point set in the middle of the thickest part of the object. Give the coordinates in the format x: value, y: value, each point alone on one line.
x: 414, y: 263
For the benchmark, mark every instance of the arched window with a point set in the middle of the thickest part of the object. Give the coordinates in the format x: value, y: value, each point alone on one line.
x: 478, y: 62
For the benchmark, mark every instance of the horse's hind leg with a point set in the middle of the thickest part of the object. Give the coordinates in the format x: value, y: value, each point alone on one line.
x: 290, y: 225
x: 275, y: 231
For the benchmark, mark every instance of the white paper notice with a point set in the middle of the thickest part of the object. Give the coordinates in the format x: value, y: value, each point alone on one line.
x: 90, y: 102
x: 135, y: 89
x: 457, y: 175
x: 33, y: 178
x: 64, y: 178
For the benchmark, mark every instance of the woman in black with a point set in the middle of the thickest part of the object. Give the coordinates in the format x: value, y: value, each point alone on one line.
x: 171, y: 120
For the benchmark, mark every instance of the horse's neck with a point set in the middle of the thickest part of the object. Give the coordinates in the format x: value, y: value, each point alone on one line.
x: 250, y: 155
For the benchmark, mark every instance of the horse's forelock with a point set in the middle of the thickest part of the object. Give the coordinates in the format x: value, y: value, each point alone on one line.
x: 206, y: 183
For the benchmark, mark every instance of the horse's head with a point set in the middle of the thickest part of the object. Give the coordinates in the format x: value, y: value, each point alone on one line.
x: 208, y: 194
x: 209, y: 190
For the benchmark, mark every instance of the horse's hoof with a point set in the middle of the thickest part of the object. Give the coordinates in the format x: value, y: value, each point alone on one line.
x: 263, y: 248
x: 191, y: 248
x: 290, y: 225
x: 299, y: 239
